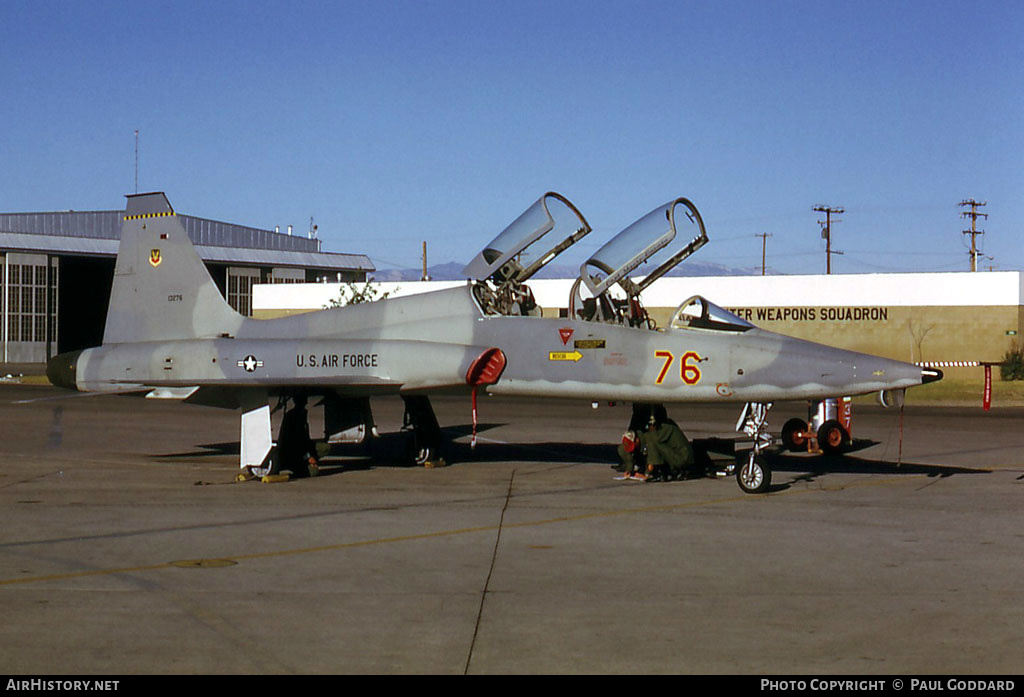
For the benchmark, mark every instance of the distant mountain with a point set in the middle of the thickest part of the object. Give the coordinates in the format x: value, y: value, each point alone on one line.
x: 687, y: 268
x: 452, y: 271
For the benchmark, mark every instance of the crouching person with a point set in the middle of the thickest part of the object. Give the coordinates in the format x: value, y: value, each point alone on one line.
x: 669, y: 453
x: 659, y: 452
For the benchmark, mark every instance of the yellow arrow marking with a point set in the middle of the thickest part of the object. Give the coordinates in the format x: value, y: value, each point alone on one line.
x: 564, y: 356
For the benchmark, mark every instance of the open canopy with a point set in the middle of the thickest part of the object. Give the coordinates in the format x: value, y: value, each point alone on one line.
x: 649, y: 239
x: 546, y: 229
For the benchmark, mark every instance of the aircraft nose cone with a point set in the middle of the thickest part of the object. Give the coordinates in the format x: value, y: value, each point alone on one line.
x: 61, y: 369
x: 930, y: 375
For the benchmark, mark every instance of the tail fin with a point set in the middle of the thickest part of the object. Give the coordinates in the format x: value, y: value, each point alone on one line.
x: 162, y: 290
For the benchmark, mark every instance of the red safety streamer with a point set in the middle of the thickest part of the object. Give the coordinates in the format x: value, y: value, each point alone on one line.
x: 986, y: 401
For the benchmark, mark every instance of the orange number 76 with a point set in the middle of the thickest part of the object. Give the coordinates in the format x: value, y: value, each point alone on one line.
x: 689, y: 371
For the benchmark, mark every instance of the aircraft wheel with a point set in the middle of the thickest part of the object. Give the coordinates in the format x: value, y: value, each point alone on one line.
x: 832, y: 437
x: 754, y: 476
x: 422, y: 456
x: 792, y: 434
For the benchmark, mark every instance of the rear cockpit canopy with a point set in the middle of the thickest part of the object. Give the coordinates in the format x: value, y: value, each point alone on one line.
x: 649, y: 240
x: 698, y: 312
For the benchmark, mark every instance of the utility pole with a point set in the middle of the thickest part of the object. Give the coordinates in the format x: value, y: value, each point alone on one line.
x: 826, y: 232
x: 764, y: 248
x: 973, y: 214
x: 424, y: 277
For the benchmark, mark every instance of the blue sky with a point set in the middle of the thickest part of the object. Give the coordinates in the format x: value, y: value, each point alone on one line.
x: 395, y: 122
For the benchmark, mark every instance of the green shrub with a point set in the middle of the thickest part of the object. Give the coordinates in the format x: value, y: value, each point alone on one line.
x: 1013, y: 363
x: 352, y: 294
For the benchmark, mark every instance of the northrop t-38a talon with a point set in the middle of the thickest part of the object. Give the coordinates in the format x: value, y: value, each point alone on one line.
x: 170, y: 333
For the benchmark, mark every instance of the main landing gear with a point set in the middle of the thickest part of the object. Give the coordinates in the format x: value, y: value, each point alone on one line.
x: 294, y: 451
x: 347, y: 420
x: 350, y: 420
x: 425, y: 444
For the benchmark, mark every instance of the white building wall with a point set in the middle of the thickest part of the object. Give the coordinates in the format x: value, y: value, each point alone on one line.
x: 963, y: 289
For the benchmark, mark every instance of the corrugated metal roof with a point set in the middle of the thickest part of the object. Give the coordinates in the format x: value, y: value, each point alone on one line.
x: 56, y: 244
x: 96, y: 233
x: 107, y: 225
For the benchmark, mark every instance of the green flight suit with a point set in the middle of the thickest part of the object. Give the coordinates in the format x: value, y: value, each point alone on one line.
x: 666, y: 444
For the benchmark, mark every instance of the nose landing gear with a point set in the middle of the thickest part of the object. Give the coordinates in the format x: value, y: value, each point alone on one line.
x: 755, y: 476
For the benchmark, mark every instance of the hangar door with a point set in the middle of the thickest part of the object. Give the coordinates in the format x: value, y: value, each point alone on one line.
x: 240, y: 282
x: 28, y: 298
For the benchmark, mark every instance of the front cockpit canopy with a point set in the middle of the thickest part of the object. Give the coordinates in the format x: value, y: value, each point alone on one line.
x: 649, y: 238
x: 698, y: 312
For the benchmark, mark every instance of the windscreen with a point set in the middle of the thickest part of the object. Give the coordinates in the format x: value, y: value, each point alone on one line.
x: 700, y: 313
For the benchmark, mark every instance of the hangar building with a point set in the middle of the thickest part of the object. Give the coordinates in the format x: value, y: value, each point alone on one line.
x: 56, y: 270
x: 945, y: 319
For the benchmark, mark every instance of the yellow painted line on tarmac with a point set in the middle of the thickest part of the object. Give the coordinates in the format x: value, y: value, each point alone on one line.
x: 227, y: 561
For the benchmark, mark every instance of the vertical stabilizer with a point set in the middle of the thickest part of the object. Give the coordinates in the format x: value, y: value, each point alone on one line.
x: 162, y: 290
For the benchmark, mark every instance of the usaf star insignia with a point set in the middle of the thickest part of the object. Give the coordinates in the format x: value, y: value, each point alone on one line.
x: 250, y: 363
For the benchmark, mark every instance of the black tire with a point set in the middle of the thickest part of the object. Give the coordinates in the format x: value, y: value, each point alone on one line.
x: 832, y: 437
x: 792, y: 435
x: 754, y: 476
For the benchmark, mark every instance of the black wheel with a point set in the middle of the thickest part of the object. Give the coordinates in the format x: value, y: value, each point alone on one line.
x: 832, y: 437
x: 793, y: 435
x: 754, y: 476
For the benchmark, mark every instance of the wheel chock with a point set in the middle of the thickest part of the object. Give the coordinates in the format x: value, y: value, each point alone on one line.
x: 275, y: 478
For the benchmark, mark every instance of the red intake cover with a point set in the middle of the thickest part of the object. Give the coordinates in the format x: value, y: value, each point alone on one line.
x: 487, y: 368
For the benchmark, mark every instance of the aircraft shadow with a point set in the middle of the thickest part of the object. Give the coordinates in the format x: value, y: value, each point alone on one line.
x: 847, y: 464
x: 394, y: 450
x: 228, y: 448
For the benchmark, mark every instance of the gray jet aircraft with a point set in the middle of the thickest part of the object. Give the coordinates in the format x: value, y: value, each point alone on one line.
x: 169, y: 332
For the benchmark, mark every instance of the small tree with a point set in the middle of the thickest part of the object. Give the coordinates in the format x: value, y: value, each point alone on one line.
x: 352, y: 294
x: 1013, y: 363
